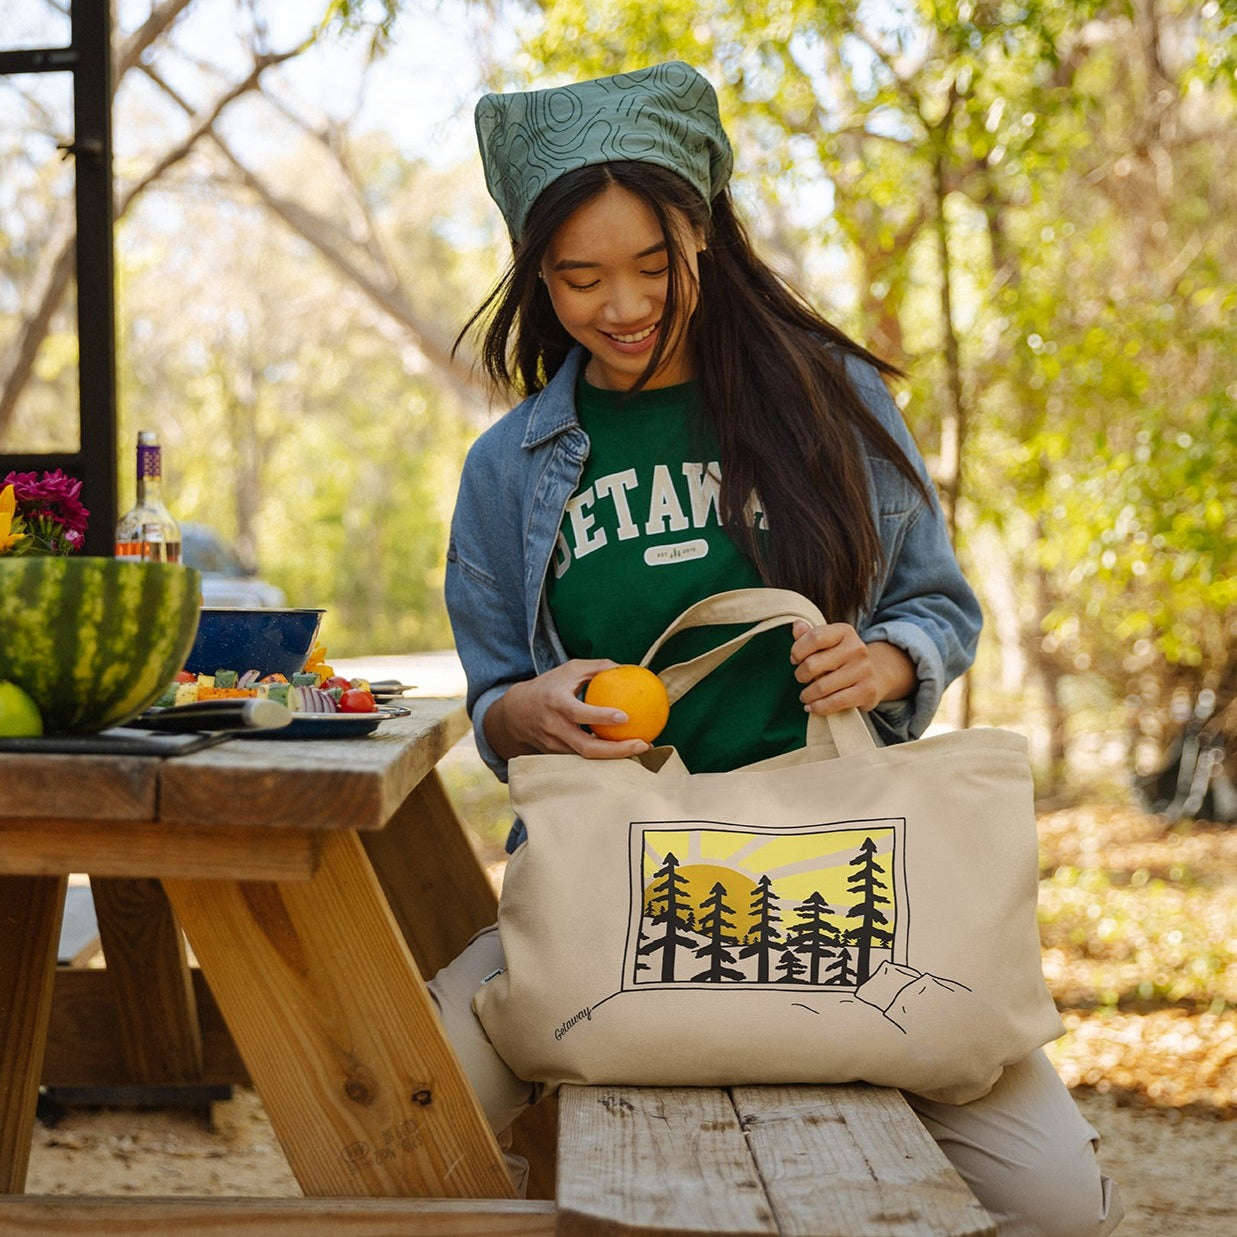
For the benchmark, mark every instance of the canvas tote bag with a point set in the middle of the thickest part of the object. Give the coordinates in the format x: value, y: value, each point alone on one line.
x: 843, y: 912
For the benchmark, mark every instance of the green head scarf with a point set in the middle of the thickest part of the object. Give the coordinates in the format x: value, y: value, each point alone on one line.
x: 666, y: 115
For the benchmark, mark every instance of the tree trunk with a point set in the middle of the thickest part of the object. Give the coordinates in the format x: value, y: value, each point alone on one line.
x: 954, y: 423
x: 241, y: 394
x: 57, y: 272
x: 1048, y: 676
x: 953, y: 426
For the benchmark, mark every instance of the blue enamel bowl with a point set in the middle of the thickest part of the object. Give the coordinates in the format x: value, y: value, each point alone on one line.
x: 268, y: 641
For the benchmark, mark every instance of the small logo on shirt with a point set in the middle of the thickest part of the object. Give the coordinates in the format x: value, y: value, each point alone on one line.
x: 663, y: 555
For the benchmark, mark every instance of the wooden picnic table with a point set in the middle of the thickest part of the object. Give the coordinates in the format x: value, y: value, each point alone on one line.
x: 317, y: 882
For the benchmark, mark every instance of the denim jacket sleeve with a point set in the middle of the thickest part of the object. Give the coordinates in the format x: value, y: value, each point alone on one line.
x: 484, y: 586
x: 516, y: 481
x: 921, y: 602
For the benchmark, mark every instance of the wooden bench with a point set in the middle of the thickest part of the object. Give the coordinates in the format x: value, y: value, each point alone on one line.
x: 844, y: 1161
x: 847, y: 1161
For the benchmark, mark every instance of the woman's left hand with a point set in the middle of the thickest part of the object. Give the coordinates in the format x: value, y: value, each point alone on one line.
x: 841, y: 672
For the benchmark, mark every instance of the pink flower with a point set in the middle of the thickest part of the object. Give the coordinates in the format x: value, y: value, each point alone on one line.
x: 55, y: 496
x: 50, y: 510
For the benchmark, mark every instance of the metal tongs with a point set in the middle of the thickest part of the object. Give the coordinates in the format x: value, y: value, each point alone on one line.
x: 389, y: 689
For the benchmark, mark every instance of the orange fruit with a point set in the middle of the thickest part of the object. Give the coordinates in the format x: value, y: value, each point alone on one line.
x: 639, y: 693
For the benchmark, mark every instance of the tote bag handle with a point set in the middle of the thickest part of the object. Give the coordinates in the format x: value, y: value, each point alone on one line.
x: 765, y: 609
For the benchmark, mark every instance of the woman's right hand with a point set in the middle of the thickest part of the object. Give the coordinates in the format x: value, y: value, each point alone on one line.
x: 546, y: 714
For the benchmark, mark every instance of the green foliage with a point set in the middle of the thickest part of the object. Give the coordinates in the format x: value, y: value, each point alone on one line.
x: 292, y: 412
x: 1109, y: 404
x: 1070, y: 149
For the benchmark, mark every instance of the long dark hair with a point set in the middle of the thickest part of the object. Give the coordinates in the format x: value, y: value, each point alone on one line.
x: 771, y: 373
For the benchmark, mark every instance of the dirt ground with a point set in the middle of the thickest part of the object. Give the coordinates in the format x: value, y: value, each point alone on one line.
x: 1151, y: 1052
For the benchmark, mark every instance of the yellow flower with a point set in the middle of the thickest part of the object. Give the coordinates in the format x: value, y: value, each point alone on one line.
x: 316, y: 663
x: 8, y: 508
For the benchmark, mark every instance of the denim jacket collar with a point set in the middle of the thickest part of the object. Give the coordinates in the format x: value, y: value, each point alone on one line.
x: 554, y: 407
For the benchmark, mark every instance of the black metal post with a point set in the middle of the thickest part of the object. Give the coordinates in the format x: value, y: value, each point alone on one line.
x: 96, y: 298
x: 89, y: 59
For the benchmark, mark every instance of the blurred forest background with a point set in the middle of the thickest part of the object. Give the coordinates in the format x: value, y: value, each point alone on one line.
x: 1027, y: 204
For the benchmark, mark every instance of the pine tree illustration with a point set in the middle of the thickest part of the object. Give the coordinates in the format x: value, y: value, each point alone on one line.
x: 839, y: 971
x: 672, y: 916
x: 791, y: 968
x: 814, y: 936
x: 760, y: 941
x: 872, y: 929
x: 641, y: 937
x: 720, y: 933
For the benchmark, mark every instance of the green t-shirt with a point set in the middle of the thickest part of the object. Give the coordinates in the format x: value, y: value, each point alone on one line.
x: 641, y: 540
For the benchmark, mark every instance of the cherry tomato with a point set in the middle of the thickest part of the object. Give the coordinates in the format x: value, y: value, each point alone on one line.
x: 183, y: 676
x: 336, y: 681
x: 357, y: 700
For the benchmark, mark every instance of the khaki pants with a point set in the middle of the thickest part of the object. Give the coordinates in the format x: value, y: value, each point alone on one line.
x: 1024, y: 1148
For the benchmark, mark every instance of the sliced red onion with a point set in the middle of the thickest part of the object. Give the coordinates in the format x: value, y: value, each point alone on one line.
x: 312, y: 700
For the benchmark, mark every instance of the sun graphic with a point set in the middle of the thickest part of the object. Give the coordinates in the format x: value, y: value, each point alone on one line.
x: 701, y: 880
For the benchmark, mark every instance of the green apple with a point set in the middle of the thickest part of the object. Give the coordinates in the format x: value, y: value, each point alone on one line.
x: 19, y: 715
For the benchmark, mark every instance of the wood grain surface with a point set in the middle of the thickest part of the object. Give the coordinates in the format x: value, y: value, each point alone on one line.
x: 156, y: 1010
x: 340, y: 1034
x: 835, y: 1161
x: 124, y: 848
x: 858, y: 1155
x: 260, y: 1217
x: 84, y: 1045
x: 441, y: 897
x: 656, y: 1160
x: 98, y: 787
x: 30, y: 910
x: 312, y: 783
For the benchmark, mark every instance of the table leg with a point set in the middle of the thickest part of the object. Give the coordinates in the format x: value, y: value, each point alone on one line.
x: 339, y: 1033
x: 429, y: 872
x: 30, y: 912
x: 440, y: 896
x: 156, y: 1011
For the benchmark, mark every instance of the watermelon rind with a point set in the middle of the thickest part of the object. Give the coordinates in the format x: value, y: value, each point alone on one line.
x: 94, y: 641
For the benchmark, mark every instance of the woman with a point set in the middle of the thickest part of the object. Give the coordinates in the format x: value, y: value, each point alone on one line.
x: 690, y: 426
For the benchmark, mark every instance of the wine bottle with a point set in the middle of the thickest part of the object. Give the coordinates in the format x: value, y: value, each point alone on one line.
x: 147, y: 529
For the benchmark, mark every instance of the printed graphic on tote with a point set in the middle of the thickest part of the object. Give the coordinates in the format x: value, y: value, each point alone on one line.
x: 820, y: 907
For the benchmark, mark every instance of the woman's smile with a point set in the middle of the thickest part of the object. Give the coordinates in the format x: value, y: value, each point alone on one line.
x: 634, y: 338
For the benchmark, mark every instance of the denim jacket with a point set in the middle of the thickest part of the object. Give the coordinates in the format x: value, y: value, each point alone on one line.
x: 514, y: 489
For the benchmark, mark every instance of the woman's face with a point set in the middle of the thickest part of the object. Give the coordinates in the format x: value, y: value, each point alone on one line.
x: 607, y: 273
